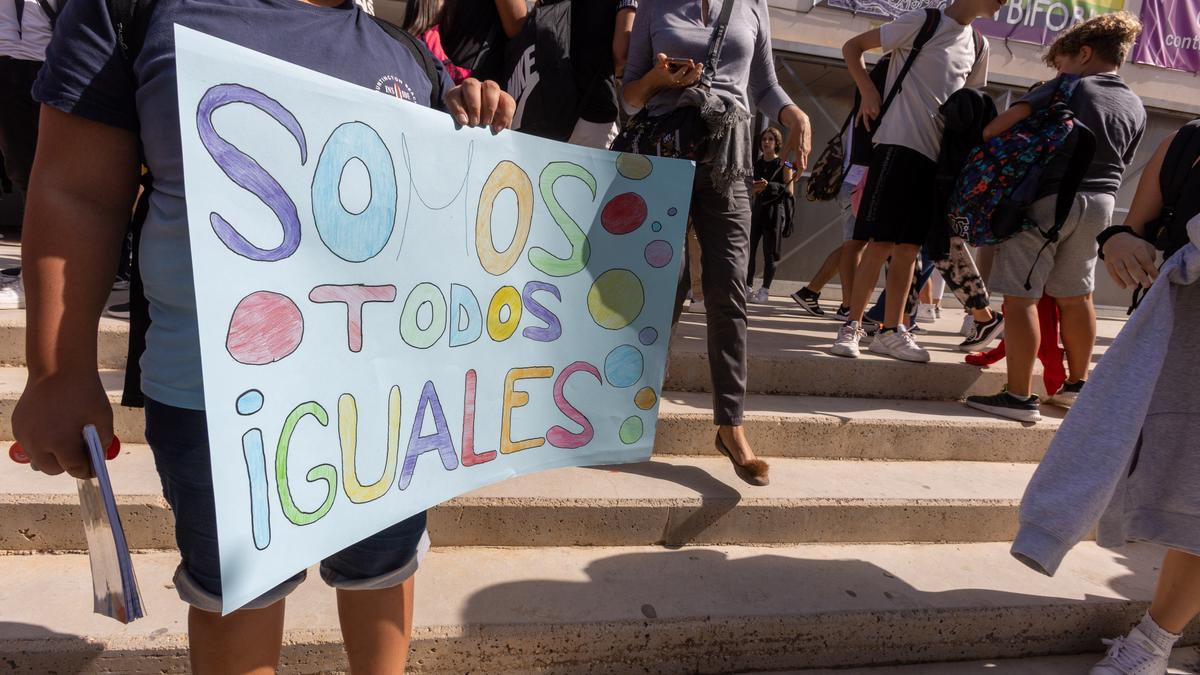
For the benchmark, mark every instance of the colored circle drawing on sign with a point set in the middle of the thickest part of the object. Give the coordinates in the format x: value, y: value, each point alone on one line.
x: 265, y: 328
x: 631, y: 430
x: 624, y: 213
x: 634, y: 167
x: 659, y: 253
x: 672, y: 211
x: 616, y: 299
x: 250, y: 402
x: 656, y: 226
x: 645, y: 398
x: 623, y: 366
x: 648, y: 335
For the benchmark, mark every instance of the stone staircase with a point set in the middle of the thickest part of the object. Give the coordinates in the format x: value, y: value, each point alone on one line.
x: 882, y: 539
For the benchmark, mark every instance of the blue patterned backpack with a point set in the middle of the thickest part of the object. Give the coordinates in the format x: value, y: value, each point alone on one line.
x: 1002, y: 177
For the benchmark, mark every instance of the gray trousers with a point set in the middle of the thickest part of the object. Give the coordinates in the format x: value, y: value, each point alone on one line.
x: 722, y: 226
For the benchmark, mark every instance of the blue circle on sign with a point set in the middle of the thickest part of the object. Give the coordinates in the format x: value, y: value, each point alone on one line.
x: 250, y: 402
x: 623, y: 366
x: 648, y: 336
x: 672, y: 211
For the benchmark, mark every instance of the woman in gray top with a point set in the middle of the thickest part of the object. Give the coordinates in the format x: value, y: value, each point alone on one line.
x: 666, y: 55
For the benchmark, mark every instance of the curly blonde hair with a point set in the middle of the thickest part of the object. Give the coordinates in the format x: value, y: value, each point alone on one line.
x: 1110, y: 36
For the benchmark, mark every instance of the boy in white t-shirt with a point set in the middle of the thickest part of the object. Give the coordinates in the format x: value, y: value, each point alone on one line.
x: 898, y: 205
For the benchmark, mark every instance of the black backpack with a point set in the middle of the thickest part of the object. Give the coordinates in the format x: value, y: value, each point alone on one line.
x: 130, y: 22
x: 1180, y: 184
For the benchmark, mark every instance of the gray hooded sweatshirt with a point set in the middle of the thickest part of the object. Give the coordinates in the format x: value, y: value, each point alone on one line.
x: 1085, y: 476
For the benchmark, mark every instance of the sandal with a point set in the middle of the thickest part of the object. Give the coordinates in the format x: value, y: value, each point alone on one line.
x: 756, y: 473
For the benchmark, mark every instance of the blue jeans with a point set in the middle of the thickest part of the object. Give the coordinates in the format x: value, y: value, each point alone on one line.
x: 179, y: 439
x: 927, y: 269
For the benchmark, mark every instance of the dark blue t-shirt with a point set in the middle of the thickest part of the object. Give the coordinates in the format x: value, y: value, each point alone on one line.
x: 85, y: 74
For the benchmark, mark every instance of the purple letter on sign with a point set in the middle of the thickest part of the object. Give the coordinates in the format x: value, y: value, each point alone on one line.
x: 247, y: 173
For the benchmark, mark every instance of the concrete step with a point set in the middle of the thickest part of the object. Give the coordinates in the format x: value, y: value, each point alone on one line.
x: 623, y: 610
x: 1184, y: 661
x: 788, y: 354
x: 671, y: 500
x: 112, y: 339
x: 780, y: 426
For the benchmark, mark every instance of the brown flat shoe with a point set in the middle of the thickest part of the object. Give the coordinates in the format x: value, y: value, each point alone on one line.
x: 756, y: 473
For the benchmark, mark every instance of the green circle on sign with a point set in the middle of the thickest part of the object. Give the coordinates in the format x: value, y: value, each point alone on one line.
x: 631, y: 430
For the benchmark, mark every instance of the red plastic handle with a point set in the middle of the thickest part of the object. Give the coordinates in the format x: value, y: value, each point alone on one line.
x: 16, y: 454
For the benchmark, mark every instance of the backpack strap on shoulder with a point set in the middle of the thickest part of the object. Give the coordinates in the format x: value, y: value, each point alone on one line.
x: 421, y: 53
x: 50, y: 11
x: 979, y: 41
x: 933, y: 18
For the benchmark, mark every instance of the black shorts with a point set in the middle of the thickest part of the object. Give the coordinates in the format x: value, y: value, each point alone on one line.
x: 898, y: 203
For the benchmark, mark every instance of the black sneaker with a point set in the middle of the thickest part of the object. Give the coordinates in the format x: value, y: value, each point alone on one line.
x: 1005, y: 404
x: 870, y: 326
x: 984, y: 334
x: 809, y: 301
x: 842, y: 313
x: 1066, y: 397
x: 118, y: 311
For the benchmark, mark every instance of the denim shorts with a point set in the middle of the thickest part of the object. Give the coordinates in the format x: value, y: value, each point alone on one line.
x: 179, y: 440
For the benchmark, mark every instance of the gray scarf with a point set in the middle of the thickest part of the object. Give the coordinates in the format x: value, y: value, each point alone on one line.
x: 729, y: 153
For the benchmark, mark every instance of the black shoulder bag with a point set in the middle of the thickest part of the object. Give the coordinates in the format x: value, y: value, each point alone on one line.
x: 680, y: 133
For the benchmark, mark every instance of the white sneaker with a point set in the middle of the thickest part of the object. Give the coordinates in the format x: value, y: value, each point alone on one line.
x: 937, y: 311
x: 12, y: 295
x: 1134, y: 654
x: 899, y: 344
x: 847, y: 344
x: 926, y: 313
x: 759, y: 297
x: 968, y: 326
x: 696, y: 307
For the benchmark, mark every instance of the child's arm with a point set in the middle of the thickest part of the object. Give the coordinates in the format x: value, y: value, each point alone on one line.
x: 85, y: 178
x: 853, y: 52
x: 512, y: 16
x: 1007, y: 120
x: 1130, y: 258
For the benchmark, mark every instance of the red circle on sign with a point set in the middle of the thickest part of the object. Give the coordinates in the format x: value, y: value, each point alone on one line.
x: 265, y: 328
x: 624, y: 213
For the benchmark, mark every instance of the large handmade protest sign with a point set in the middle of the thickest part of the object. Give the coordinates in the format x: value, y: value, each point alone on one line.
x: 393, y: 312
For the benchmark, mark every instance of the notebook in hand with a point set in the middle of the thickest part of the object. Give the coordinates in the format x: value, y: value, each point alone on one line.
x: 114, y: 585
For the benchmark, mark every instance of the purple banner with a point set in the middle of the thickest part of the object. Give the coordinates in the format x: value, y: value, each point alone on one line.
x: 1034, y: 21
x: 1171, y: 38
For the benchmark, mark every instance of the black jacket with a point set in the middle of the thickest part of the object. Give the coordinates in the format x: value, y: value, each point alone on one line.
x: 967, y: 112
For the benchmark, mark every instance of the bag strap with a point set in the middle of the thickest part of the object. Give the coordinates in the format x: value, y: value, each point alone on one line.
x: 715, y: 42
x: 421, y: 53
x: 1077, y: 167
x: 51, y: 12
x: 933, y: 17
